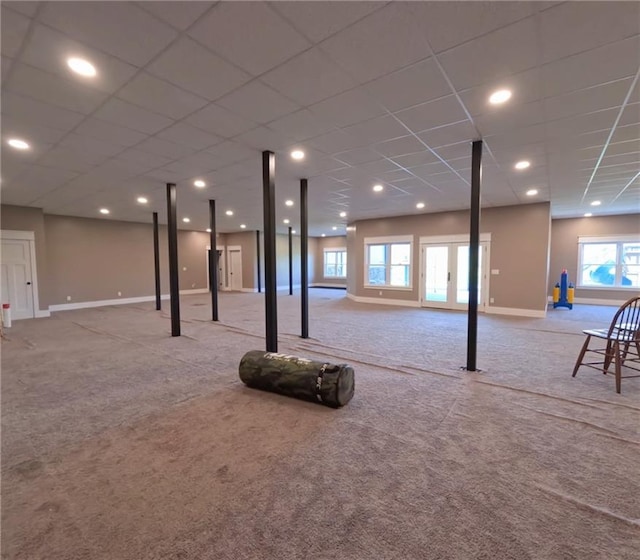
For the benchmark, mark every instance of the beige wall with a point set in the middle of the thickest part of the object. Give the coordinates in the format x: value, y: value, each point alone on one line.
x: 564, y: 249
x: 20, y: 218
x: 322, y: 244
x: 520, y: 237
x: 92, y: 260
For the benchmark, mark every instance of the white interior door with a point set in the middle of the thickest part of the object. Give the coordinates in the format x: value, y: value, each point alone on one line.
x: 235, y: 269
x: 16, y: 288
x: 445, y: 275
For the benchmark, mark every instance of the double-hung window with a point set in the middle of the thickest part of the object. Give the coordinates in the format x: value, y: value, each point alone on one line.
x: 335, y: 263
x: 609, y: 262
x: 388, y: 261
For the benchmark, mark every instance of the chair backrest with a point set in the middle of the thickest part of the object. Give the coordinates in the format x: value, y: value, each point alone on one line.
x: 626, y: 321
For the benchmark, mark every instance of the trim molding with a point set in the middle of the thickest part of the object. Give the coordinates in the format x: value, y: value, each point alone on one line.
x: 384, y: 301
x: 593, y: 301
x: 17, y: 234
x: 515, y: 312
x: 119, y: 301
x: 327, y: 285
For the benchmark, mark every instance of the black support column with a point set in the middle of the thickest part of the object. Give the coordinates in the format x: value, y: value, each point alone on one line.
x: 258, y: 257
x: 474, y: 245
x: 213, y: 261
x: 290, y: 261
x: 174, y: 285
x: 304, y: 260
x: 156, y: 259
x: 270, y: 288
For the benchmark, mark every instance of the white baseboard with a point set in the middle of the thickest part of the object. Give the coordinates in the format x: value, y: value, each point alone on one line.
x: 250, y: 290
x: 327, y: 285
x: 384, y: 301
x: 119, y: 301
x: 42, y: 313
x: 515, y: 312
x: 594, y: 301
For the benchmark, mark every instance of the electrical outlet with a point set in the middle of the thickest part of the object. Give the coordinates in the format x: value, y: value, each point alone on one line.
x: 193, y: 285
x: 68, y: 298
x: 184, y: 268
x: 491, y: 300
x: 380, y: 293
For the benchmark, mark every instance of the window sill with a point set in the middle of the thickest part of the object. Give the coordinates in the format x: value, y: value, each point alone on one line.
x: 386, y: 287
x: 334, y: 277
x: 607, y: 288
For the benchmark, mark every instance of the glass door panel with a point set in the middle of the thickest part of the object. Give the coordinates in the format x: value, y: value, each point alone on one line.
x: 436, y: 277
x: 462, y: 274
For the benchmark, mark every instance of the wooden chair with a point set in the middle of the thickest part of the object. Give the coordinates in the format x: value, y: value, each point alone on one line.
x: 622, y: 344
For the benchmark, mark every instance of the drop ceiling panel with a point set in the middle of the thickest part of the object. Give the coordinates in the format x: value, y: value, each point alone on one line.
x: 410, y: 161
x: 358, y: 156
x: 376, y: 130
x: 161, y: 97
x: 48, y: 50
x: 334, y: 142
x: 443, y: 111
x: 72, y: 159
x: 91, y: 145
x: 512, y: 118
x: 182, y: 133
x: 6, y: 68
x: 190, y: 66
x: 400, y: 146
x: 149, y: 160
x: 494, y: 56
x: 217, y: 120
x: 382, y: 42
x: 96, y: 128
x: 262, y: 138
x: 347, y: 108
x: 571, y: 27
x: 121, y: 29
x: 49, y: 88
x: 250, y: 35
x: 14, y: 31
x: 301, y: 125
x: 450, y: 134
x: 177, y: 14
x: 26, y: 8
x: 126, y: 114
x: 258, y: 102
x: 165, y: 148
x: 13, y: 127
x: 231, y: 152
x: 32, y: 111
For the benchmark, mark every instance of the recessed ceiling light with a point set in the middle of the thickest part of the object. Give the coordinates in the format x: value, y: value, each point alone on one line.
x: 243, y: 226
x: 208, y: 230
x: 297, y: 154
x: 229, y: 212
x: 323, y: 235
x: 343, y: 214
x: 186, y: 220
x: 420, y: 205
x: 522, y: 164
x: 104, y: 210
x: 142, y: 200
x: 18, y: 144
x: 82, y: 67
x: 596, y: 203
x: 500, y: 96
x: 378, y: 188
x: 588, y: 215
x: 288, y: 202
x: 532, y: 192
x: 285, y: 221
x: 199, y: 183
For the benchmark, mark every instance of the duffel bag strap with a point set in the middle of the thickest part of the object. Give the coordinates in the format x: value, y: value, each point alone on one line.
x: 319, y: 381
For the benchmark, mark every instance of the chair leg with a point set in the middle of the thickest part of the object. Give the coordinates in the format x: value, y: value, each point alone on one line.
x: 608, y: 356
x: 618, y: 359
x: 581, y: 355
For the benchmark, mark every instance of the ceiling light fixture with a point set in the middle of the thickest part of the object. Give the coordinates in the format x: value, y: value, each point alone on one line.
x: 18, y: 144
x: 243, y: 226
x: 288, y: 202
x: 343, y: 214
x: 285, y: 221
x: 186, y: 220
x: 142, y: 200
x: 522, y: 164
x: 104, y: 211
x: 596, y: 203
x: 82, y: 67
x: 199, y: 183
x: 420, y: 205
x: 297, y: 154
x: 588, y: 215
x: 500, y: 96
x: 229, y: 212
x: 532, y: 192
x: 378, y: 188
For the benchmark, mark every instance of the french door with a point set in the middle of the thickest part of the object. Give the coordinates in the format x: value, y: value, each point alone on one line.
x: 444, y: 279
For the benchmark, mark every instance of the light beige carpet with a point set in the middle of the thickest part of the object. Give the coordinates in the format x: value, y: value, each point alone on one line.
x: 120, y: 442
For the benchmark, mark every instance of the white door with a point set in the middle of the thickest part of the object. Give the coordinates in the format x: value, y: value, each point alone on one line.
x: 235, y: 269
x: 16, y: 288
x: 445, y: 275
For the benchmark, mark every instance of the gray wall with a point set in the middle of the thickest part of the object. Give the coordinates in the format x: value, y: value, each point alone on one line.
x: 20, y: 218
x: 564, y: 248
x: 520, y: 237
x: 322, y: 244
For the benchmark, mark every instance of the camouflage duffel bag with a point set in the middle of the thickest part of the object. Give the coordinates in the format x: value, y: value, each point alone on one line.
x: 328, y: 384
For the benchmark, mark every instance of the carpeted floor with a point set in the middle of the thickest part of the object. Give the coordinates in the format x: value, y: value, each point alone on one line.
x: 122, y: 443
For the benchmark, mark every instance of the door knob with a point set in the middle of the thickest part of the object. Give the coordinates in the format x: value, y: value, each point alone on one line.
x: 28, y: 283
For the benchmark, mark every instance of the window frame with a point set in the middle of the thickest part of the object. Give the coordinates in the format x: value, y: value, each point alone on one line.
x: 324, y: 262
x: 388, y: 241
x: 619, y: 241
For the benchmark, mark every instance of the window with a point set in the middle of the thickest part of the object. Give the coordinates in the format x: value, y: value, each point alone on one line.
x: 335, y: 263
x: 388, y: 262
x: 609, y: 262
